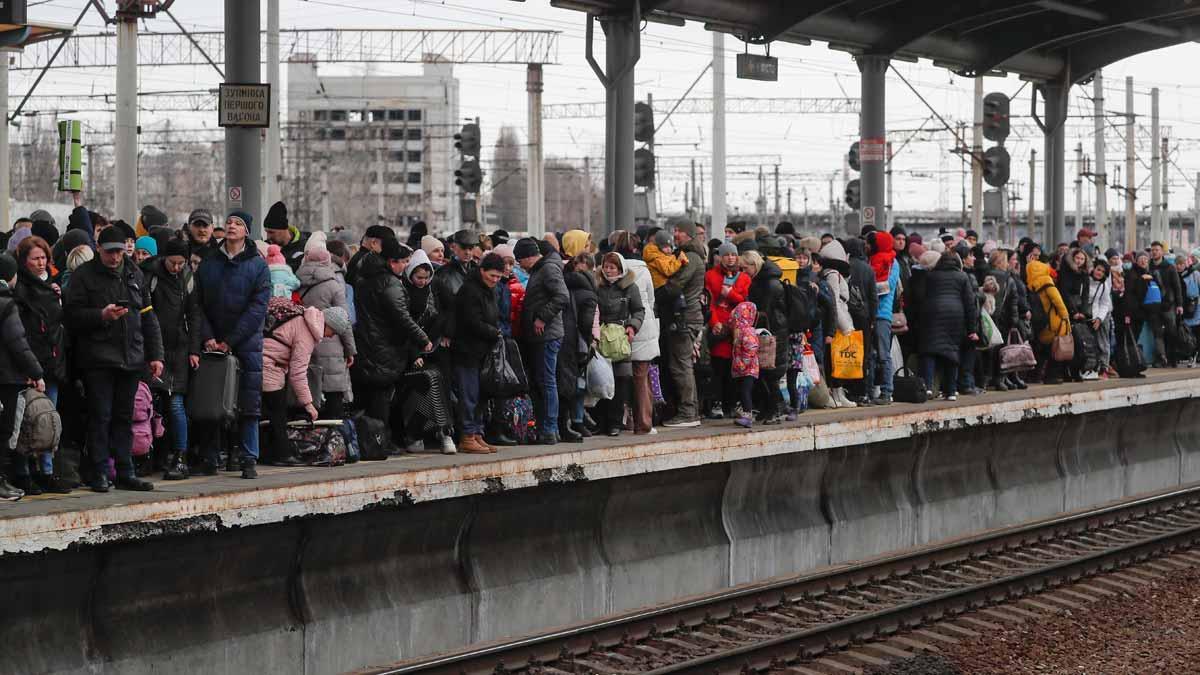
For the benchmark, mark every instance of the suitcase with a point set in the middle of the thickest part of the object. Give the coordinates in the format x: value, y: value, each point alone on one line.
x: 213, y: 391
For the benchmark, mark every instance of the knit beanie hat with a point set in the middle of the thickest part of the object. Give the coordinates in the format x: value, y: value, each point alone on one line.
x: 243, y: 216
x: 318, y: 255
x: 430, y: 243
x: 277, y: 218
x: 148, y: 244
x: 526, y: 248
x: 662, y: 239
x: 929, y: 258
x: 175, y: 247
x: 504, y: 251
x: 275, y: 255
x: 726, y: 249
x: 338, y: 320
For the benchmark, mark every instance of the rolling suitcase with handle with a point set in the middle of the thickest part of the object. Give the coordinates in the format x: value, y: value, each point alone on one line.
x: 213, y: 394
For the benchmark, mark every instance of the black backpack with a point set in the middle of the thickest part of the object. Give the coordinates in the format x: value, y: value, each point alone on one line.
x: 800, y: 304
x: 857, y: 304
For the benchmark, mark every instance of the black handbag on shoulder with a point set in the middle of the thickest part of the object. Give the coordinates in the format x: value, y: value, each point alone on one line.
x: 908, y: 388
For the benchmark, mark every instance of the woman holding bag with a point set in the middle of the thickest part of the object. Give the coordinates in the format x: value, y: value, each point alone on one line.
x: 767, y: 294
x: 835, y: 266
x: 1041, y: 285
x: 621, y: 316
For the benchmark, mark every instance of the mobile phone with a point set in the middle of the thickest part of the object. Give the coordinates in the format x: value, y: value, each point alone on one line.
x: 127, y: 304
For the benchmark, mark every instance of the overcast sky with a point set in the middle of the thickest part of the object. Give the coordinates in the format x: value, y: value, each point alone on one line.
x: 808, y: 148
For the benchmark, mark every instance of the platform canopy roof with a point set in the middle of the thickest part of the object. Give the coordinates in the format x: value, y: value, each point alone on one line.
x: 1065, y: 40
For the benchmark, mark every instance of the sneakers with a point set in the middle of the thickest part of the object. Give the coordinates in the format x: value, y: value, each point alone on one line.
x: 744, y: 422
x: 882, y: 399
x: 777, y: 418
x: 8, y: 493
x: 1090, y: 375
x: 416, y: 447
x: 135, y: 484
x: 718, y: 413
x: 682, y: 423
x: 474, y: 445
x: 249, y: 470
x: 448, y: 446
x: 841, y: 400
x: 952, y: 397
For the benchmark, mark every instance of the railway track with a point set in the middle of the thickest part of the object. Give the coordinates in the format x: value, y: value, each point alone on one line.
x: 804, y: 620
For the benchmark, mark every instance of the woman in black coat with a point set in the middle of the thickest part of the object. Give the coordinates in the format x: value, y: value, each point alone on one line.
x: 1005, y: 314
x: 767, y: 294
x: 948, y: 309
x: 1074, y: 285
x: 476, y: 330
x: 578, y: 319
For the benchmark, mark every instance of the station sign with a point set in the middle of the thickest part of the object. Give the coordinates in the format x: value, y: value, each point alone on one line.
x: 757, y: 67
x: 244, y: 105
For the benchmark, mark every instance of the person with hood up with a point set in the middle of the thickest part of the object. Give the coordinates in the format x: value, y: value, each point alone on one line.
x: 19, y: 367
x: 322, y: 287
x: 728, y: 287
x: 287, y: 352
x: 414, y: 405
x: 745, y: 368
x: 948, y: 315
x: 1041, y: 286
x: 879, y: 368
x: 767, y: 295
x: 645, y: 349
x: 620, y: 303
x: 863, y: 305
x: 576, y: 242
x: 835, y: 270
x: 283, y: 279
x: 685, y: 331
x: 290, y: 240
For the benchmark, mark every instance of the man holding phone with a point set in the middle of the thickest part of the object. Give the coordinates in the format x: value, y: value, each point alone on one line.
x: 117, y: 337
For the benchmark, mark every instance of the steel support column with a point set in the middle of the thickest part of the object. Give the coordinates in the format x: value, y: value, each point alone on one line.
x: 1100, y: 168
x: 717, y: 206
x: 873, y: 133
x: 126, y: 140
x: 243, y: 146
x: 1157, y: 231
x: 5, y: 167
x: 274, y: 154
x: 977, y: 160
x: 622, y: 49
x: 535, y: 186
x: 1054, y: 172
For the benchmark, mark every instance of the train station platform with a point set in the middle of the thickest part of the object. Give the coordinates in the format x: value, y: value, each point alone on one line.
x: 425, y: 553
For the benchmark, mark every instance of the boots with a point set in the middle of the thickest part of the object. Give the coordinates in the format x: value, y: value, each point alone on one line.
x: 840, y: 398
x: 176, y: 468
x: 472, y: 444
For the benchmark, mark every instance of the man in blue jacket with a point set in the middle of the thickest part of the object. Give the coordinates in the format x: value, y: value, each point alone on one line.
x: 235, y: 286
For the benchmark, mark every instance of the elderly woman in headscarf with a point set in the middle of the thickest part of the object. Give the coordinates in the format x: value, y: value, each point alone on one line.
x: 575, y: 242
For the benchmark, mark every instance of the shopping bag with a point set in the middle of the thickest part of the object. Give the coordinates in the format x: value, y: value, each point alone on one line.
x: 1017, y: 355
x: 811, y: 367
x: 766, y: 350
x: 614, y: 342
x: 847, y: 353
x: 503, y: 374
x: 991, y: 335
x: 601, y: 383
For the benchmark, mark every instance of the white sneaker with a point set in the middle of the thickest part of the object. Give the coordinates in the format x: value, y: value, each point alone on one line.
x: 653, y: 431
x: 842, y: 400
x: 416, y: 447
x: 448, y: 446
x: 1090, y: 375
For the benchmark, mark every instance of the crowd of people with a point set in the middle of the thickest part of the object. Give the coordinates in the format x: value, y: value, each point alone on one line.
x: 481, y: 341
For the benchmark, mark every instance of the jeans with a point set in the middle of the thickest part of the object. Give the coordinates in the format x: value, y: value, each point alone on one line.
x: 949, y: 373
x: 683, y: 370
x: 179, y: 423
x: 880, y: 357
x: 110, y: 394
x: 543, y: 360
x: 966, y: 367
x: 466, y: 383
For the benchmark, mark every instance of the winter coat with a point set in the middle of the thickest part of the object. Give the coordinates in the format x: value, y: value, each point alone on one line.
x: 577, y: 329
x: 42, y: 315
x: 233, y: 300
x: 1006, y: 316
x: 689, y: 280
x: 746, y: 344
x: 321, y: 286
x: 949, y: 310
x: 18, y: 363
x: 767, y: 294
x: 662, y: 265
x: 1135, y: 294
x: 645, y: 342
x: 842, y: 321
x: 288, y: 350
x: 293, y: 251
x: 545, y: 298
x: 126, y: 344
x: 283, y: 281
x: 1172, y: 285
x: 862, y: 276
x: 1037, y: 276
x: 1075, y: 289
x: 446, y: 281
x: 721, y: 307
x: 620, y: 303
x: 477, y: 322
x: 504, y: 302
x: 385, y: 334
x: 177, y: 305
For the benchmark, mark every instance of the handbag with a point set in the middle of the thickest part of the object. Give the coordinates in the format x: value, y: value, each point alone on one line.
x: 991, y: 334
x: 766, y: 350
x: 1017, y: 355
x: 614, y: 342
x: 908, y: 387
x: 847, y: 353
x: 1062, y: 348
x: 503, y: 374
x: 899, y: 323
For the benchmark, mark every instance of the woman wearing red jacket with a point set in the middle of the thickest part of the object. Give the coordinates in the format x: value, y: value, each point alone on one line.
x: 727, y: 286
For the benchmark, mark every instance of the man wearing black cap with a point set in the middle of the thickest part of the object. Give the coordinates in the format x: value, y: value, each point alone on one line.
x: 372, y: 242
x: 542, y: 331
x: 109, y: 311
x: 290, y: 240
x: 200, y: 233
x: 451, y: 276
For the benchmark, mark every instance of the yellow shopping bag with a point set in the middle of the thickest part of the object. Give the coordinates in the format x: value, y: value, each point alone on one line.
x: 847, y: 351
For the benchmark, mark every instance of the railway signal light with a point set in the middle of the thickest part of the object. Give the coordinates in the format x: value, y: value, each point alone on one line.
x: 995, y: 117
x: 996, y: 163
x: 643, y: 123
x: 469, y: 177
x: 468, y: 140
x: 643, y: 168
x: 854, y: 194
x: 853, y: 157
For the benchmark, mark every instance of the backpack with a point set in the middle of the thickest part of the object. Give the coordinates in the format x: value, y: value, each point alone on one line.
x: 1038, y: 318
x: 279, y: 312
x: 147, y: 423
x: 856, y: 304
x: 800, y: 304
x: 40, y: 427
x: 517, y: 420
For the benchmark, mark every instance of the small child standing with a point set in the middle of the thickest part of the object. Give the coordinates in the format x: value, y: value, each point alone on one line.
x: 283, y: 280
x: 744, y: 367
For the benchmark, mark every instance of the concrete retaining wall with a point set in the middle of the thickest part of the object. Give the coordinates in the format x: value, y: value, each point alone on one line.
x: 329, y: 594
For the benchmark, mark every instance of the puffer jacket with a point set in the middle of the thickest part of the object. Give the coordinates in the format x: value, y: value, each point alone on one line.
x: 477, y: 321
x: 621, y: 302
x: 233, y: 300
x: 545, y: 299
x: 321, y: 286
x: 949, y: 310
x: 126, y: 344
x: 17, y: 361
x: 721, y: 307
x: 447, y: 280
x: 1037, y: 276
x: 42, y: 314
x: 645, y: 342
x: 767, y: 294
x: 385, y: 334
x: 288, y: 350
x: 689, y: 280
x: 177, y: 305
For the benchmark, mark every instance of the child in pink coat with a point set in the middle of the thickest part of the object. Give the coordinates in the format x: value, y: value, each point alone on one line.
x: 287, y: 351
x: 745, y: 359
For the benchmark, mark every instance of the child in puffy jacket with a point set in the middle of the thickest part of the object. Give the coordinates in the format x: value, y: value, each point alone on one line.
x: 284, y: 281
x: 287, y: 350
x: 335, y: 354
